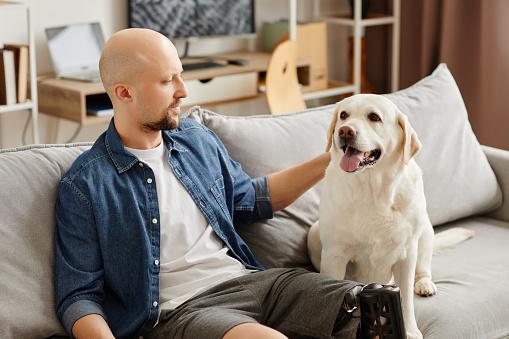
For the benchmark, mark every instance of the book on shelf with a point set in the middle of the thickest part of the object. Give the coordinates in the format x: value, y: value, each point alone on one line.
x: 7, y: 78
x: 21, y: 69
x: 100, y: 109
x: 99, y: 105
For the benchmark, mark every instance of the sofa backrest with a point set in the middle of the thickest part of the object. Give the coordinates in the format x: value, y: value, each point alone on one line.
x: 28, y: 189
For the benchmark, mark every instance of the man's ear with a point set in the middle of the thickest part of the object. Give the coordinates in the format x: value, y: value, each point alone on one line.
x: 122, y: 93
x: 330, y: 133
x: 411, y: 144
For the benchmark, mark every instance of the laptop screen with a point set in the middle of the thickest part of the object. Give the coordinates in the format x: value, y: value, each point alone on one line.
x: 75, y: 48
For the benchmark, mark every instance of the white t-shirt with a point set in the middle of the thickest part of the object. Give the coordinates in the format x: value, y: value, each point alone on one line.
x: 193, y: 257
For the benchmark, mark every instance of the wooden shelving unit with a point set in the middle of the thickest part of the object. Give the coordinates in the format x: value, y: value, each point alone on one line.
x: 16, y: 10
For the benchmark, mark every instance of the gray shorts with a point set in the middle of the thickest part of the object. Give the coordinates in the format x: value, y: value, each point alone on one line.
x: 296, y: 302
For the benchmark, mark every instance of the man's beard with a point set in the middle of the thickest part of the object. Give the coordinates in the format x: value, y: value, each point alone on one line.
x: 166, y: 123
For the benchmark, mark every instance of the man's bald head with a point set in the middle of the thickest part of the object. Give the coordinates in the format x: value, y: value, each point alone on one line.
x: 128, y: 53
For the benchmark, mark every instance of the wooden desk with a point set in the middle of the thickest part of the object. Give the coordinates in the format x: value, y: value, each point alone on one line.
x: 258, y: 62
x: 67, y: 99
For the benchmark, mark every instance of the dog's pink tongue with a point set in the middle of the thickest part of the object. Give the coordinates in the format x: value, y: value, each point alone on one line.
x: 351, y: 159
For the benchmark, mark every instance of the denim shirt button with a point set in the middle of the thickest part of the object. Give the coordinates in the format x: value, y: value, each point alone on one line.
x: 149, y: 180
x: 155, y: 304
x: 156, y: 262
x: 154, y: 221
x: 141, y: 164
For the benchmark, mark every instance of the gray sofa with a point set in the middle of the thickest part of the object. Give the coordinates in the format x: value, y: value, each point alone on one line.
x: 466, y: 185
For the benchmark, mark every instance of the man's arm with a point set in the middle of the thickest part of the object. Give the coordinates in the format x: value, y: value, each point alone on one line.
x: 78, y: 262
x: 91, y: 326
x: 288, y: 185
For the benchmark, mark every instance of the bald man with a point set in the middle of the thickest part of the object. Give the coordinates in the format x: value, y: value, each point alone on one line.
x: 142, y: 239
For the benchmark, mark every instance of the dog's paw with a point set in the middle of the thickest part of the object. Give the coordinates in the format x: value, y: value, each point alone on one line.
x: 425, y: 287
x: 415, y: 334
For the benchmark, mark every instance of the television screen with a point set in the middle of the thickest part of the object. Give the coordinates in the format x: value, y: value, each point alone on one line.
x: 193, y: 18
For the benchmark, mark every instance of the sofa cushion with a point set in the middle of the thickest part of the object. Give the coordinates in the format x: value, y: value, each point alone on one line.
x: 471, y: 279
x: 458, y: 179
x: 263, y: 145
x: 28, y: 179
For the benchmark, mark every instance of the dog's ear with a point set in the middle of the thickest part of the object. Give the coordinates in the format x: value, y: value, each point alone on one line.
x: 330, y: 133
x: 411, y: 143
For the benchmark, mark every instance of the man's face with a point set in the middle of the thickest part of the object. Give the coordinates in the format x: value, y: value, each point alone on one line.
x: 159, y: 92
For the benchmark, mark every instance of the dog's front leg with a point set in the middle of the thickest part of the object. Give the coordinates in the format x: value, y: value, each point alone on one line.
x: 423, y: 284
x: 404, y: 271
x: 333, y: 261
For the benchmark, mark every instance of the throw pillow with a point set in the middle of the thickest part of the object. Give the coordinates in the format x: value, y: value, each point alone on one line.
x: 458, y: 180
x: 265, y: 144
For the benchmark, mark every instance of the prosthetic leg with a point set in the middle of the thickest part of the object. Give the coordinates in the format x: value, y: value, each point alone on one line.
x: 380, y: 311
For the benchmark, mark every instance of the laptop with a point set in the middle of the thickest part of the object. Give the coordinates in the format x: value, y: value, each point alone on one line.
x: 75, y: 50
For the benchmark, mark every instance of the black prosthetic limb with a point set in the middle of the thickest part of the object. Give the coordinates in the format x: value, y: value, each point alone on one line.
x: 380, y: 311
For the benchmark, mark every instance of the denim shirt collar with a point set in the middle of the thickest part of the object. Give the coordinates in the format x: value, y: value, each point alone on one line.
x: 123, y: 159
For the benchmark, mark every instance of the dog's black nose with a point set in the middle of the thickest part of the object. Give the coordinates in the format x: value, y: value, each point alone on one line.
x: 347, y: 132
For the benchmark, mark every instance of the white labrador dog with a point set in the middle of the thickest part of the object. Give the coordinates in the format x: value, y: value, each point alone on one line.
x: 373, y: 210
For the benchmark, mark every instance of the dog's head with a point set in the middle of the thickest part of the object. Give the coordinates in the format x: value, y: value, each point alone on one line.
x: 367, y: 129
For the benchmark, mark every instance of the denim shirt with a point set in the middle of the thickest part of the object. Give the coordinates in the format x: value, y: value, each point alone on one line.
x: 107, y: 236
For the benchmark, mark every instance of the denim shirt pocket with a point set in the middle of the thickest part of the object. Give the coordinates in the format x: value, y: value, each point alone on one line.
x: 219, y: 194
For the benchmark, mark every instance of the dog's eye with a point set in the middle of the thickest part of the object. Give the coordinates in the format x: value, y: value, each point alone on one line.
x: 374, y: 117
x: 343, y: 115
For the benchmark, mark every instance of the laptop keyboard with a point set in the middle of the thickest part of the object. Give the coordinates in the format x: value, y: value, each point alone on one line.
x: 201, y: 65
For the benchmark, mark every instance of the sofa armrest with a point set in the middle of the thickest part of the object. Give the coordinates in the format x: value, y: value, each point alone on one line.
x: 499, y: 161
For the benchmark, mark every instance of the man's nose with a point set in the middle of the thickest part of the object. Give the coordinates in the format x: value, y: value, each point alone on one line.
x: 181, y: 91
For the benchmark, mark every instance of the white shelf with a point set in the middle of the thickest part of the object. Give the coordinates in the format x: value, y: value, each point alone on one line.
x: 335, y: 88
x: 372, y: 20
x: 31, y: 104
x: 358, y: 24
x: 17, y: 107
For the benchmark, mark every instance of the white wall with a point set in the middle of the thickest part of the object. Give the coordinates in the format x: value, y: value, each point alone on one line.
x: 112, y: 14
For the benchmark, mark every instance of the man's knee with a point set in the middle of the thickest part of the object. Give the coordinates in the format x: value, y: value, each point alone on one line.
x: 253, y: 330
